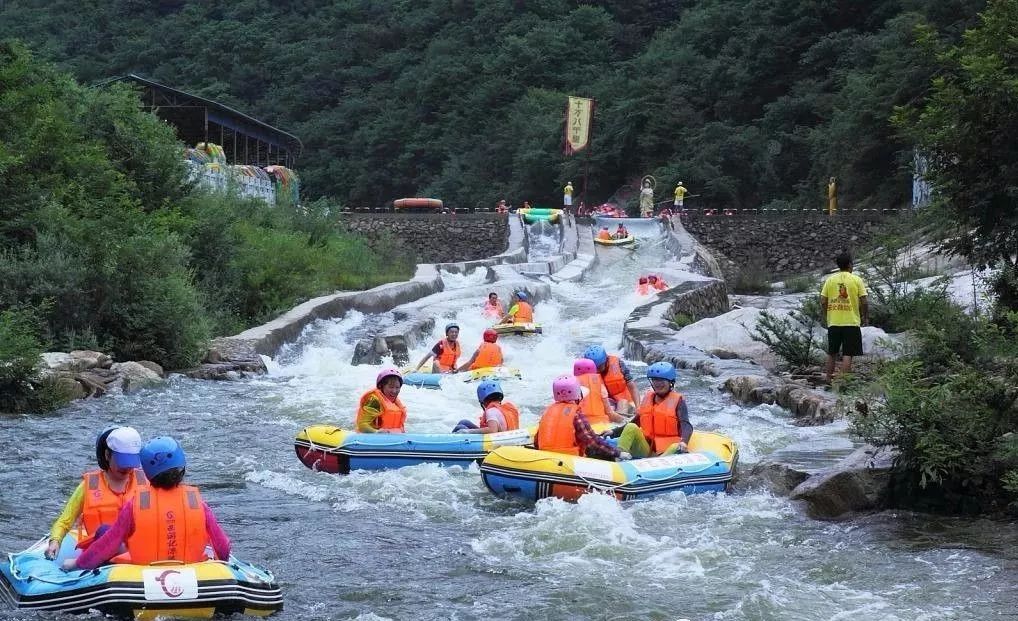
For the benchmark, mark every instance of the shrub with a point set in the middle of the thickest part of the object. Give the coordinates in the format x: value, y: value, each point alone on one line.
x: 681, y: 320
x: 792, y: 338
x: 20, y: 348
x: 801, y: 284
x: 752, y: 279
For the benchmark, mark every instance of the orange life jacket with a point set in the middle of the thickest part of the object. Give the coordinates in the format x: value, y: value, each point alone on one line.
x: 493, y: 310
x: 659, y: 421
x: 524, y: 312
x: 488, y: 355
x: 509, y: 412
x: 660, y: 285
x: 643, y: 289
x: 602, y: 234
x: 169, y: 525
x: 593, y: 404
x: 100, y: 504
x: 450, y: 353
x: 393, y: 412
x: 615, y: 381
x: 555, y: 432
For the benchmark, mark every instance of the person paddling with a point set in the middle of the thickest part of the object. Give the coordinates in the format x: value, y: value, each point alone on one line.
x: 521, y: 311
x: 446, y: 352
x: 496, y: 413
x: 488, y: 353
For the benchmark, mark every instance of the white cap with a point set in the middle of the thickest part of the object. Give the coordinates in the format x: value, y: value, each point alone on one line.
x: 125, y: 442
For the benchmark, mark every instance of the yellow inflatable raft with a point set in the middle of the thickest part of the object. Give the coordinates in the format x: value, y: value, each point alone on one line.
x: 517, y: 328
x: 615, y: 242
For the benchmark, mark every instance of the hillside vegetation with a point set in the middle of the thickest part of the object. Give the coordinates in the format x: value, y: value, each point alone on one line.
x: 749, y: 102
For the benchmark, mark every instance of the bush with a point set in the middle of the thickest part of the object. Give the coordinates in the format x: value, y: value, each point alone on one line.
x: 681, y: 320
x: 792, y: 338
x: 20, y: 348
x: 752, y: 279
x: 801, y: 284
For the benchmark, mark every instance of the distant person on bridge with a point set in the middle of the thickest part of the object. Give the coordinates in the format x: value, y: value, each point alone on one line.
x: 493, y: 307
x: 521, y: 311
x: 502, y: 207
x: 488, y: 353
x: 380, y: 410
x: 617, y: 378
x: 446, y: 352
x: 844, y: 310
x: 565, y: 429
x: 567, y: 196
x: 680, y: 196
x: 604, y: 233
x: 621, y: 232
x: 496, y: 414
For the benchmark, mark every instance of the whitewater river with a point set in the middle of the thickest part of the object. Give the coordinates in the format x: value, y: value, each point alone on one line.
x: 433, y: 543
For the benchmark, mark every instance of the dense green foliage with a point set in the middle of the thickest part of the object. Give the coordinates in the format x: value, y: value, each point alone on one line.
x: 101, y: 237
x: 749, y: 102
x: 966, y: 128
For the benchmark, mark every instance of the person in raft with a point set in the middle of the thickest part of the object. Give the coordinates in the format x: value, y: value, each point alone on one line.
x: 167, y: 521
x: 521, y: 311
x: 657, y: 283
x: 488, y: 353
x: 617, y: 378
x: 643, y: 286
x: 102, y: 493
x: 565, y: 429
x: 604, y: 233
x: 493, y: 307
x: 661, y: 425
x: 595, y: 403
x: 496, y: 414
x: 380, y: 410
x: 621, y: 232
x: 446, y: 352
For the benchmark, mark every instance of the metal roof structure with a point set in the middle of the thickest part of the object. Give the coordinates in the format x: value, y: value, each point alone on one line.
x: 245, y: 139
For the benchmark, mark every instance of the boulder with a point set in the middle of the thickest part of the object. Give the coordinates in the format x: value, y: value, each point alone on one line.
x: 92, y: 359
x: 56, y: 361
x: 775, y: 477
x: 879, y: 344
x: 154, y: 367
x: 857, y: 483
x: 729, y: 332
x: 68, y: 386
x: 751, y: 388
x: 136, y: 376
x: 98, y: 382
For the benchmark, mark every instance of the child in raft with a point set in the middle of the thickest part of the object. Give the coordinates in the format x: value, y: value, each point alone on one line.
x: 496, y: 414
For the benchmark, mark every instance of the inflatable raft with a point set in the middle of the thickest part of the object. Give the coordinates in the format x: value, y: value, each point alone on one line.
x: 29, y: 581
x: 531, y: 215
x: 531, y: 474
x: 330, y: 449
x: 419, y: 203
x: 517, y: 328
x: 615, y: 242
x: 434, y: 380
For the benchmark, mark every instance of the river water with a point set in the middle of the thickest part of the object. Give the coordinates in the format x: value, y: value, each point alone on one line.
x: 432, y: 543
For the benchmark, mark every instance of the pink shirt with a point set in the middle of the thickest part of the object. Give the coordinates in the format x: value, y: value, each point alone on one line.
x: 106, y: 547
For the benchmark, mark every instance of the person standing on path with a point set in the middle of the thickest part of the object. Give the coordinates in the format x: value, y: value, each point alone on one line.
x: 680, y: 196
x: 567, y: 196
x: 832, y: 196
x: 844, y: 310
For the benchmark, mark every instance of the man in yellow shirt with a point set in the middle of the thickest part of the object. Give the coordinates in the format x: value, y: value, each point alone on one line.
x: 844, y: 310
x: 680, y: 195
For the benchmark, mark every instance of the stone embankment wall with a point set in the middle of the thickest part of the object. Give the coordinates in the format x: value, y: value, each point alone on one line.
x: 709, y: 299
x: 435, y: 238
x: 789, y: 243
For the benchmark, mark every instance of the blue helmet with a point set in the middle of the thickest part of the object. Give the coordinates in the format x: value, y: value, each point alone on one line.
x: 521, y: 296
x: 597, y: 354
x: 488, y: 389
x: 450, y: 326
x: 161, y: 454
x: 661, y: 370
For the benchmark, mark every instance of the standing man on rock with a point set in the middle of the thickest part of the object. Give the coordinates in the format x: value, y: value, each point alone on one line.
x: 844, y: 310
x: 567, y: 196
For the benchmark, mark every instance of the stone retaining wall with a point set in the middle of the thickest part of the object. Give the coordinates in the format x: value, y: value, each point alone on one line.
x: 435, y: 238
x: 785, y: 244
x: 710, y: 299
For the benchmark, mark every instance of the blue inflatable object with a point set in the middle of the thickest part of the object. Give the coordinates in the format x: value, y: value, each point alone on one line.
x: 423, y: 380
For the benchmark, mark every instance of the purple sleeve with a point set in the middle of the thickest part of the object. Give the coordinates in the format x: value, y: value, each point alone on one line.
x: 220, y: 541
x: 106, y: 547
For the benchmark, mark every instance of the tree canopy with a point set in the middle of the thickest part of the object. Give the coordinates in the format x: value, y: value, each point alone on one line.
x: 750, y: 102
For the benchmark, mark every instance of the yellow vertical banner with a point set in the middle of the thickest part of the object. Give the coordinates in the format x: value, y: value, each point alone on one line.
x: 579, y: 112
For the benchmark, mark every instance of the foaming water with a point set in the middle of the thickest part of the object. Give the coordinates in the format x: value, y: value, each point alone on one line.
x: 432, y: 543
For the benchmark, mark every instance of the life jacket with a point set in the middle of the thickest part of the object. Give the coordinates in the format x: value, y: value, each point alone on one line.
x: 621, y: 233
x: 450, y: 353
x: 615, y: 381
x: 660, y: 285
x: 169, y: 525
x: 509, y: 412
x: 393, y: 412
x: 100, y: 504
x: 488, y: 355
x: 493, y: 310
x: 555, y: 432
x: 593, y: 403
x: 643, y: 289
x: 603, y: 234
x: 524, y: 312
x: 659, y: 421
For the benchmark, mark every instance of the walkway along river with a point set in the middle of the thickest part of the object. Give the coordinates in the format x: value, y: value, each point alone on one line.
x: 433, y: 543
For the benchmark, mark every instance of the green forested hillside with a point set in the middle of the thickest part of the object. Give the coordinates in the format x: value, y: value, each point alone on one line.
x: 749, y: 102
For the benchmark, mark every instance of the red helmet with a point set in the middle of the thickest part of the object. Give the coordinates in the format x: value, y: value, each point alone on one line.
x: 490, y: 336
x: 643, y: 280
x: 652, y: 278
